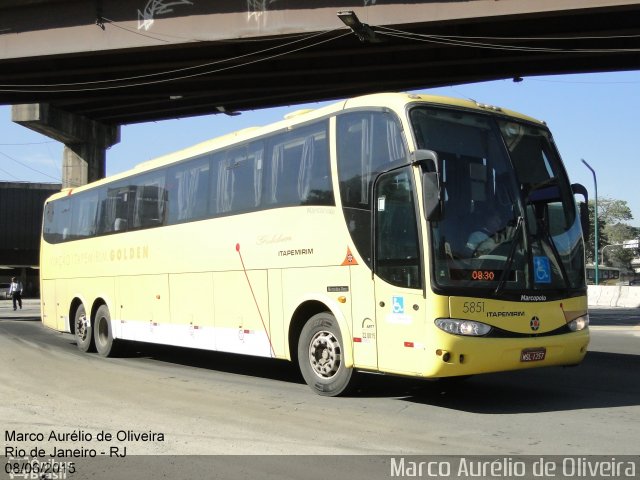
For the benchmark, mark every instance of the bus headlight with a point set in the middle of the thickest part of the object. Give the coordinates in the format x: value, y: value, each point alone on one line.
x: 462, y: 327
x: 579, y: 323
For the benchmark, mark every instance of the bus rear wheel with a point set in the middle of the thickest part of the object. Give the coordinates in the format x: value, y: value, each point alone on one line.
x: 321, y: 357
x: 103, y: 333
x: 83, y: 330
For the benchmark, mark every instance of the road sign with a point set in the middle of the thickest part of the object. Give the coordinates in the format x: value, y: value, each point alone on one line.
x: 631, y: 244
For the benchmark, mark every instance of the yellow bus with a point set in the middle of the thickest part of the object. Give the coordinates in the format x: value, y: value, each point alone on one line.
x: 610, y: 275
x: 396, y: 233
x: 606, y: 275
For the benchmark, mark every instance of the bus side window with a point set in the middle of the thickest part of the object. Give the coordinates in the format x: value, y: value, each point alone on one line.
x: 247, y: 178
x: 187, y: 191
x: 239, y: 178
x: 119, y: 224
x: 114, y: 205
x: 285, y: 169
x: 317, y: 177
x: 297, y: 169
x: 57, y: 219
x: 150, y: 200
x: 84, y: 207
x: 367, y: 143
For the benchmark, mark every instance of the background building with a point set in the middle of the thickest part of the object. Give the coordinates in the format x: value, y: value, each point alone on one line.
x: 21, y: 207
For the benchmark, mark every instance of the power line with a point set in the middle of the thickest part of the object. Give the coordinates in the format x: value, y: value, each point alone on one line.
x: 487, y: 46
x: 34, y: 88
x: 25, y: 143
x: 26, y: 166
x: 157, y: 34
x: 541, y: 38
x: 55, y: 164
x: 111, y: 22
x: 8, y: 173
x: 443, y: 40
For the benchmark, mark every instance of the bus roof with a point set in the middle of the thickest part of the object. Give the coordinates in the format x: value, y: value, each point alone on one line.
x: 395, y: 101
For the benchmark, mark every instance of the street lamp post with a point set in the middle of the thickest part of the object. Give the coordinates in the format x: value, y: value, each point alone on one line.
x: 604, y: 264
x: 595, y: 237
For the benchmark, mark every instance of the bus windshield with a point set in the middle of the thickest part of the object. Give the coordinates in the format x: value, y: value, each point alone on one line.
x: 509, y: 220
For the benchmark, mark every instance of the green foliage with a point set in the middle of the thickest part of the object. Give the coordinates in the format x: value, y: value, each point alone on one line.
x: 611, y: 231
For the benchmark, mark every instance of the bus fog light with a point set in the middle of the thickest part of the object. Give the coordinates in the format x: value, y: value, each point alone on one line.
x: 462, y: 327
x: 579, y: 323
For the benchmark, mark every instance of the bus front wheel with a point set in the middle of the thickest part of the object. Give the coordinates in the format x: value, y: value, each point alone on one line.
x: 321, y: 357
x: 103, y: 333
x: 83, y: 330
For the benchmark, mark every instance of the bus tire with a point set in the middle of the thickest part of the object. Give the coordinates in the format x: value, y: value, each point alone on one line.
x: 103, y: 333
x: 83, y: 330
x: 320, y: 356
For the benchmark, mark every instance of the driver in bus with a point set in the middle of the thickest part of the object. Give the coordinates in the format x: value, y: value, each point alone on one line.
x: 489, y: 235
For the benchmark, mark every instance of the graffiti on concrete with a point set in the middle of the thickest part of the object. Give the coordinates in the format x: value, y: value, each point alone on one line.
x: 155, y: 8
x: 257, y: 8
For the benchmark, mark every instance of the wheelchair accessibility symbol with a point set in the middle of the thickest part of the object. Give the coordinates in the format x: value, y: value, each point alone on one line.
x: 398, y: 305
x: 542, y: 269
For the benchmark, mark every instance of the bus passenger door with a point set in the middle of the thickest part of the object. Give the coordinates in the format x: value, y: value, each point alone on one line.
x: 400, y: 314
x: 363, y: 313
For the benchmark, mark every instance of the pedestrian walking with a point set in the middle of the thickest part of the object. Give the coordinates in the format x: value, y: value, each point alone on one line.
x: 15, y: 290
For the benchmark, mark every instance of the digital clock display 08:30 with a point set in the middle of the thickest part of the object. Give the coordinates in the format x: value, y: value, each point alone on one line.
x: 481, y: 275
x: 486, y: 275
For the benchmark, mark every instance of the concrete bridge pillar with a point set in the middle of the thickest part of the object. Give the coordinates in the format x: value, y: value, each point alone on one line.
x: 86, y: 141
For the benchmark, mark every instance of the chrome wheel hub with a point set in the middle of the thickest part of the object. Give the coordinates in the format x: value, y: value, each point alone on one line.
x: 324, y: 354
x: 82, y: 327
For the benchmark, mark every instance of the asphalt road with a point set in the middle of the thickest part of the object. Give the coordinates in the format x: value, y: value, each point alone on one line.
x: 190, y: 402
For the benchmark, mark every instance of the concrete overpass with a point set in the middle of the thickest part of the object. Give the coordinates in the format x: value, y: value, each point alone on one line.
x: 78, y: 69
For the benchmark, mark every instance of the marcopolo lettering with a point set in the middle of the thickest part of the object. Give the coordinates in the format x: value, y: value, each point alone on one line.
x: 533, y: 298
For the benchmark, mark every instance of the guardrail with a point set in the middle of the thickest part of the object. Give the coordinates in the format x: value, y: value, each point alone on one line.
x: 614, y: 295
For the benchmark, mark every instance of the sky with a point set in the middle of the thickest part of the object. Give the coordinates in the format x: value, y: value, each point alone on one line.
x: 592, y: 117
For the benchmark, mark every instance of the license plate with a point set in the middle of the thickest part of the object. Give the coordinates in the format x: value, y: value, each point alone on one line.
x: 533, y: 354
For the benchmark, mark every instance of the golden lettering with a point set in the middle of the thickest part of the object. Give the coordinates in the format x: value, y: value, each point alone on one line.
x: 127, y: 253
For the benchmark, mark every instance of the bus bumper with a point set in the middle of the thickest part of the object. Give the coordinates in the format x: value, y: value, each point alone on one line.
x: 455, y: 355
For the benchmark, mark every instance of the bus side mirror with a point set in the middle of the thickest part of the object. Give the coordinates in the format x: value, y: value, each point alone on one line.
x: 431, y: 188
x: 584, y: 210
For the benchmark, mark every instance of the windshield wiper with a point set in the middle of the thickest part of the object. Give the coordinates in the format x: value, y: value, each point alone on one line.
x: 509, y: 261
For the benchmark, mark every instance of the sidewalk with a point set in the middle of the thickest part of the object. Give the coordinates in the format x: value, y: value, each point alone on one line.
x: 30, y: 310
